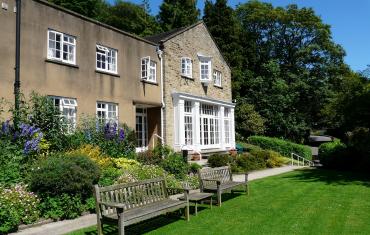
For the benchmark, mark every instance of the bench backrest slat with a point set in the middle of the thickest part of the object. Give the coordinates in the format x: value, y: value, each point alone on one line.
x: 218, y: 173
x: 132, y: 195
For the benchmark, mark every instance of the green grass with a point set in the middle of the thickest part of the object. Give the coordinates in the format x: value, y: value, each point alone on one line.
x: 300, y: 202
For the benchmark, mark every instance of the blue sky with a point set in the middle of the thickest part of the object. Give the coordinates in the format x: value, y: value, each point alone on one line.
x: 350, y: 22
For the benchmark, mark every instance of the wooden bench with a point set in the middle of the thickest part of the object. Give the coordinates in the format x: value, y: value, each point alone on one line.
x: 131, y: 203
x: 218, y: 180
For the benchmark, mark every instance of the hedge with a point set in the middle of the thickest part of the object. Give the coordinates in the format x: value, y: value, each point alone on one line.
x: 283, y: 147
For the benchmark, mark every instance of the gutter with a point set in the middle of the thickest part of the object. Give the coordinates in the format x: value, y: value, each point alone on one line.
x: 160, y: 55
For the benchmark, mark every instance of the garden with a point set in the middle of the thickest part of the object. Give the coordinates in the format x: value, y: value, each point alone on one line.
x: 48, y: 172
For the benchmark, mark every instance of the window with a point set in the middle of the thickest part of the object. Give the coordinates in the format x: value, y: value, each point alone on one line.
x: 106, y: 59
x: 141, y: 128
x: 227, y: 125
x: 209, y: 125
x: 188, y: 123
x: 61, y: 47
x: 148, y: 70
x: 205, y: 69
x: 217, y: 78
x: 186, y: 67
x: 107, y: 112
x: 68, y: 110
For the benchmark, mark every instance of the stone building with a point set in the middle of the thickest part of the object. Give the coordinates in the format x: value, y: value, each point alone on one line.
x: 198, y: 108
x: 177, y: 80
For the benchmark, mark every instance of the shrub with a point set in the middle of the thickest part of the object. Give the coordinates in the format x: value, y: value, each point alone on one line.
x: 10, y: 162
x: 218, y: 160
x: 149, y: 158
x: 248, y: 162
x: 334, y: 155
x: 109, y: 175
x: 62, y: 206
x: 94, y: 153
x: 59, y: 174
x: 174, y: 164
x: 17, y: 205
x: 283, y: 147
x: 194, y: 167
x: 140, y: 172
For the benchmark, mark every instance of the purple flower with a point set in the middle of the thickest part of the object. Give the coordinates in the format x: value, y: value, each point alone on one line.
x: 121, y: 135
x: 5, y: 127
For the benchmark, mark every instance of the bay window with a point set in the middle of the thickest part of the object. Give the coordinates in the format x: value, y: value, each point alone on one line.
x: 61, y: 47
x: 188, y: 123
x: 209, y: 125
x: 227, y: 125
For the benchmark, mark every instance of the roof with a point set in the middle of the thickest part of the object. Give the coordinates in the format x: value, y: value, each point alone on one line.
x: 162, y: 37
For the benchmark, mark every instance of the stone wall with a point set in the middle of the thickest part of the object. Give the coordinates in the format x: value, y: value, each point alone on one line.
x: 189, y: 44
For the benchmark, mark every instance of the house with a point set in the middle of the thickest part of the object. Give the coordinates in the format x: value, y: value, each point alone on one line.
x: 199, y: 113
x: 89, y: 68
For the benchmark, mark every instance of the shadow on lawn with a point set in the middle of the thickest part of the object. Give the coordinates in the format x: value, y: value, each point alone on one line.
x: 332, y: 177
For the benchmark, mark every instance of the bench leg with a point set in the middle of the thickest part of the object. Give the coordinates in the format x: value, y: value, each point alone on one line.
x: 99, y: 227
x: 219, y: 198
x: 247, y: 189
x: 211, y: 203
x: 196, y: 208
x: 187, y: 215
x: 121, y: 225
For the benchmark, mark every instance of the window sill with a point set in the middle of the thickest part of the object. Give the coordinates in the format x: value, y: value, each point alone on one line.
x: 149, y: 82
x: 61, y: 63
x: 107, y: 73
x: 219, y: 87
x: 187, y: 77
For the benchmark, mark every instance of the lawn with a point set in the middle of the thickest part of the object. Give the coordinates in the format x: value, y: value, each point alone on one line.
x: 300, y: 202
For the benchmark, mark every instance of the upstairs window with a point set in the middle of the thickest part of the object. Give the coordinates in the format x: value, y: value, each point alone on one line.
x: 186, y: 67
x: 205, y: 69
x: 68, y: 110
x: 107, y: 112
x: 61, y: 47
x: 217, y: 78
x: 148, y: 70
x: 106, y: 59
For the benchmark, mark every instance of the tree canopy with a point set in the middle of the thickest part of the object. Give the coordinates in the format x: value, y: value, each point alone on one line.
x: 177, y: 13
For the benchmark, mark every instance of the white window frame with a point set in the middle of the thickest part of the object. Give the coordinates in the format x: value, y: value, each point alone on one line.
x: 188, y: 123
x: 110, y: 56
x: 186, y: 67
x: 204, y: 61
x: 227, y: 126
x: 148, y: 70
x: 62, y: 43
x: 217, y: 78
x: 107, y: 112
x: 210, y: 120
x: 142, y: 129
x: 65, y: 104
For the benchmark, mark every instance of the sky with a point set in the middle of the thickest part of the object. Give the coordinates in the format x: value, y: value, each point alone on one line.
x: 349, y: 20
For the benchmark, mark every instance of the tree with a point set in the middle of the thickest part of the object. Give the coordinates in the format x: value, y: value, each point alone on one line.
x: 89, y: 8
x: 291, y: 66
x: 177, y: 13
x: 225, y: 29
x: 366, y: 72
x: 131, y: 18
x: 248, y: 122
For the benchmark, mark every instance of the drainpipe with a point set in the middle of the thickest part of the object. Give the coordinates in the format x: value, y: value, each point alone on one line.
x: 160, y: 54
x: 17, y: 82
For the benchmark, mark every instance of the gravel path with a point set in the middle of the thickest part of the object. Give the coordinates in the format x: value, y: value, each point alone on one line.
x: 66, y: 226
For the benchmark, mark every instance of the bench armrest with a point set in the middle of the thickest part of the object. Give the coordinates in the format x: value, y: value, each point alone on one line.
x: 113, y: 204
x: 246, y: 174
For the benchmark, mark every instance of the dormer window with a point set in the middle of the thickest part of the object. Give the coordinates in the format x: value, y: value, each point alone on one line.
x: 186, y: 67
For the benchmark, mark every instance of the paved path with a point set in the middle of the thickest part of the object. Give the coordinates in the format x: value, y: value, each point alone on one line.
x: 67, y: 226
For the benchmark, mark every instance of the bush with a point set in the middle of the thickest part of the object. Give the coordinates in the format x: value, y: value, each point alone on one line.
x: 17, y: 206
x: 248, y: 162
x: 10, y: 163
x: 218, y: 160
x: 194, y: 167
x: 283, y: 147
x: 62, y: 206
x: 59, y: 174
x: 109, y: 175
x: 149, y: 157
x: 174, y: 164
x: 94, y: 153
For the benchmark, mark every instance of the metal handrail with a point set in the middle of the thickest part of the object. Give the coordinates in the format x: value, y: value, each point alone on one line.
x: 301, y: 160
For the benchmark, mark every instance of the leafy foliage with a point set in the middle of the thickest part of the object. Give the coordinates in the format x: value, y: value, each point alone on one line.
x: 11, y: 157
x: 60, y: 174
x: 89, y: 8
x: 248, y: 121
x: 177, y: 13
x: 174, y: 164
x: 283, y: 147
x: 17, y: 205
x: 218, y: 160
